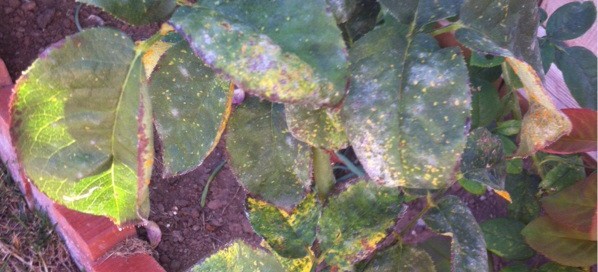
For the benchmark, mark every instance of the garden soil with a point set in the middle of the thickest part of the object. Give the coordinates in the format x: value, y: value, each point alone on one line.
x: 190, y: 232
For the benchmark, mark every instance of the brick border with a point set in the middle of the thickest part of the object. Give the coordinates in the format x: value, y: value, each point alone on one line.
x: 87, y: 237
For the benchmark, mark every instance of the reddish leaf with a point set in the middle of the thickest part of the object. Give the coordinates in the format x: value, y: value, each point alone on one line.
x: 583, y: 135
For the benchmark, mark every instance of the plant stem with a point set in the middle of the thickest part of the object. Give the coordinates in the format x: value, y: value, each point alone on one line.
x: 350, y: 165
x: 449, y: 28
x: 204, y: 194
x: 323, y: 175
x: 429, y: 205
x: 77, y: 23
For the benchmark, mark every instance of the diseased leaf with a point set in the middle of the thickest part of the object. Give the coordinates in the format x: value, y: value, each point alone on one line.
x: 406, y: 111
x: 355, y: 221
x: 270, y: 49
x: 136, y: 12
x: 81, y: 122
x: 422, y: 12
x: 578, y: 65
x: 239, y: 257
x: 191, y: 106
x: 468, y: 248
x: 503, y: 238
x: 563, y: 245
x: 522, y: 188
x: 583, y: 136
x: 571, y: 20
x: 289, y: 234
x: 508, y: 28
x: 543, y: 123
x: 483, y: 159
x: 561, y: 173
x: 575, y: 206
x: 342, y: 9
x: 485, y: 103
x: 399, y: 258
x: 320, y: 128
x: 266, y: 158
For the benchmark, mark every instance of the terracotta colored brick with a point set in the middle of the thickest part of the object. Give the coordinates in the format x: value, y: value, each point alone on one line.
x: 134, y: 263
x: 94, y: 235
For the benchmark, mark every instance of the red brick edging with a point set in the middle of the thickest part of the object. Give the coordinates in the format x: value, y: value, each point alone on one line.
x: 87, y: 237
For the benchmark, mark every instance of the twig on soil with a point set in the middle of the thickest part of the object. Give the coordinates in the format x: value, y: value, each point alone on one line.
x: 204, y: 194
x: 8, y: 251
x: 234, y: 197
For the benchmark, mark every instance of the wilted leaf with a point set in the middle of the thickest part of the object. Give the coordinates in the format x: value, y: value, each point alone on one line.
x: 355, y: 221
x: 483, y: 160
x: 522, y: 188
x: 583, y: 135
x: 468, y: 249
x: 320, y: 128
x: 571, y: 20
x: 574, y: 206
x: 136, y: 12
x: 270, y: 49
x: 191, y: 106
x: 399, y: 258
x: 289, y: 234
x: 485, y: 103
x: 239, y: 257
x: 407, y: 109
x: 503, y: 238
x: 422, y: 12
x: 266, y: 158
x: 543, y: 123
x: 82, y: 125
x: 563, y: 245
x: 578, y: 65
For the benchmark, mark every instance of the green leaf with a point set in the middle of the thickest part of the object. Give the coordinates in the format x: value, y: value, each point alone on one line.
x: 406, y: 111
x: 439, y: 249
x: 270, y: 49
x: 522, y: 188
x: 355, y: 221
x: 562, y: 173
x: 468, y: 249
x: 399, y: 258
x: 578, y: 65
x: 487, y: 61
x: 136, y: 12
x: 266, y: 158
x: 422, y: 12
x: 563, y: 245
x: 508, y: 128
x: 516, y: 268
x: 240, y: 257
x: 547, y: 52
x: 503, y: 238
x: 483, y: 160
x: 472, y: 187
x: 514, y: 165
x: 191, y: 106
x: 362, y: 20
x: 289, y: 234
x: 321, y: 128
x: 485, y: 103
x: 554, y: 267
x: 82, y: 125
x: 571, y: 20
x: 574, y: 206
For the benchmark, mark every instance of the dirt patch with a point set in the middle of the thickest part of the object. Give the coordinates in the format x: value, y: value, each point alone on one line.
x: 189, y: 232
x: 27, y: 238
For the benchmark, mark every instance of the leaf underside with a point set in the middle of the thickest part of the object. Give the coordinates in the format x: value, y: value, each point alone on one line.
x: 136, y: 12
